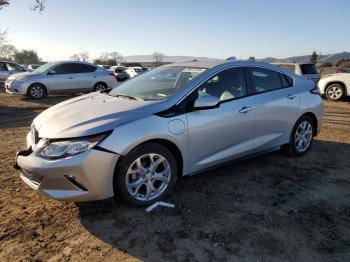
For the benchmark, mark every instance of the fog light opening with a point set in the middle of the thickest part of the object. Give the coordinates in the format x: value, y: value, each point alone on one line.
x: 75, y: 182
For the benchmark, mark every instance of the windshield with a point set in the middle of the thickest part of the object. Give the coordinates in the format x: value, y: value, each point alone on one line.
x: 157, y: 84
x: 43, y: 68
x: 308, y: 69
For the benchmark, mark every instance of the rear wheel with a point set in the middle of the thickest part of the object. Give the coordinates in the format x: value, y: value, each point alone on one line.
x: 100, y: 87
x: 36, y: 91
x: 335, y: 92
x: 301, y: 138
x: 145, y: 175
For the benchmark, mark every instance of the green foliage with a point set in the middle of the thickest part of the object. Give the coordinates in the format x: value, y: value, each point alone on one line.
x: 314, y: 58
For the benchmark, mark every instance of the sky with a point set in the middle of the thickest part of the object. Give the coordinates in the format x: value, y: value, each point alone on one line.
x: 209, y: 28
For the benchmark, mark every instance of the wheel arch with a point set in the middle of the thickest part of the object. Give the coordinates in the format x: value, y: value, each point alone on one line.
x: 314, y: 120
x: 171, y: 146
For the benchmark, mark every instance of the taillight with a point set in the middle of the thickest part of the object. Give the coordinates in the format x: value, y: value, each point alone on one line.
x: 315, y: 91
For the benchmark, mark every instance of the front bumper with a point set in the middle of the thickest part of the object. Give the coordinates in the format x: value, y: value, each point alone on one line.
x: 84, y: 177
x: 15, y: 87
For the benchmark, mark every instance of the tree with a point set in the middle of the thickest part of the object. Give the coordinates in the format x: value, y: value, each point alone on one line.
x: 26, y: 57
x: 8, y: 51
x: 158, y: 58
x: 314, y: 58
x: 84, y: 56
x: 4, y: 3
x: 344, y: 63
x: 110, y: 58
x: 38, y: 5
x: 3, y: 35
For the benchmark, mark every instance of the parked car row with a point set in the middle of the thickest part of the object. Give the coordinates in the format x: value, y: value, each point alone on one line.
x: 334, y: 83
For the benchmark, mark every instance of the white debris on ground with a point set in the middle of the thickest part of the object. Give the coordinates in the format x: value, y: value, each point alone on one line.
x: 159, y: 203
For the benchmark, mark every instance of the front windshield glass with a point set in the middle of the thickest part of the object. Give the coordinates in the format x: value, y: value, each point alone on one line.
x: 158, y: 83
x: 43, y: 68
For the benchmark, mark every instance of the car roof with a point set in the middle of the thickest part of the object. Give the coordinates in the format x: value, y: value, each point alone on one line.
x: 214, y: 63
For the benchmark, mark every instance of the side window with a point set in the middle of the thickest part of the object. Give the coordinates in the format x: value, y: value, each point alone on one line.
x: 82, y: 68
x: 65, y: 69
x: 286, y: 80
x: 226, y: 85
x: 13, y: 67
x: 3, y: 66
x: 265, y: 80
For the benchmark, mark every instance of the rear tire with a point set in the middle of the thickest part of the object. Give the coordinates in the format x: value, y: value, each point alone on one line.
x: 100, y: 86
x: 145, y: 175
x: 301, y: 138
x: 36, y: 91
x: 335, y: 92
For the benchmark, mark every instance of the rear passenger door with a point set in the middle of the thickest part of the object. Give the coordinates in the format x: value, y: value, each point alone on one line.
x: 85, y: 76
x: 277, y: 105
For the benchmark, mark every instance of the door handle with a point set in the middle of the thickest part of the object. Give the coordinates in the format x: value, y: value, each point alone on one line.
x: 246, y: 109
x: 70, y: 77
x: 291, y: 97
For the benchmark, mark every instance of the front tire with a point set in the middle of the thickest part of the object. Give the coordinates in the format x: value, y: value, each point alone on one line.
x: 36, y: 91
x: 302, y: 137
x: 335, y: 92
x: 145, y: 175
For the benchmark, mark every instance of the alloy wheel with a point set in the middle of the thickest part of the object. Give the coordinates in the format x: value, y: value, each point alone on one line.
x: 37, y: 92
x: 100, y: 87
x: 148, y: 177
x: 335, y: 92
x: 303, y: 136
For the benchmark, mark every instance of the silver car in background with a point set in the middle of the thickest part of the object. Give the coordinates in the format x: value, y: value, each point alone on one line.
x: 8, y: 69
x: 60, y: 77
x: 176, y: 120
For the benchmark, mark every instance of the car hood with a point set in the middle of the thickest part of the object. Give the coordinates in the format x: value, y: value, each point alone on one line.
x: 88, y: 115
x: 15, y: 76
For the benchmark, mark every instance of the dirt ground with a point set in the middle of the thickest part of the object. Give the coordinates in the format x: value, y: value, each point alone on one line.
x: 270, y: 208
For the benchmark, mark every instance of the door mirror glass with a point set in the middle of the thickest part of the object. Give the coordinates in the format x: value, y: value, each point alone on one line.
x: 206, y: 102
x: 52, y: 72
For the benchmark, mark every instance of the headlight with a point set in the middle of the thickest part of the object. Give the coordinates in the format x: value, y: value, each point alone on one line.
x: 61, y: 149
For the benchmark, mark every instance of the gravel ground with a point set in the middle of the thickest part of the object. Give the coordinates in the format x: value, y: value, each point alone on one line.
x: 270, y: 208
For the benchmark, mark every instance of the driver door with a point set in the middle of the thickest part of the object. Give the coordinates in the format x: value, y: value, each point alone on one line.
x: 219, y: 134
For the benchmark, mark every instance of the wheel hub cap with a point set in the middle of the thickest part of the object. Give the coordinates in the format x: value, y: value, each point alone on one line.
x: 37, y: 91
x: 303, y: 136
x: 335, y: 92
x: 148, y: 177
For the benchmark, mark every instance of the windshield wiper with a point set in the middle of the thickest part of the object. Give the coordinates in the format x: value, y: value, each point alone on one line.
x: 129, y: 97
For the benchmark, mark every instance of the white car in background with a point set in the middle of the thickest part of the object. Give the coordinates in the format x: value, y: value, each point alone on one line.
x: 335, y: 86
x: 134, y: 71
x: 309, y: 71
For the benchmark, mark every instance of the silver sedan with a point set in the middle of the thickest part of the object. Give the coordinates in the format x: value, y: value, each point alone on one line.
x: 60, y: 77
x: 177, y: 120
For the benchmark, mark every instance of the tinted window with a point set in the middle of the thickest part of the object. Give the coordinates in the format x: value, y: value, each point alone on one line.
x: 289, y: 67
x: 83, y: 68
x: 308, y: 69
x: 265, y: 80
x: 226, y: 85
x: 65, y: 69
x: 286, y: 80
x: 119, y: 70
x: 14, y: 67
x: 3, y: 67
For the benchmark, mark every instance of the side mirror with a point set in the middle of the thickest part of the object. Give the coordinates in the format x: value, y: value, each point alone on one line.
x: 206, y: 102
x: 52, y: 72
